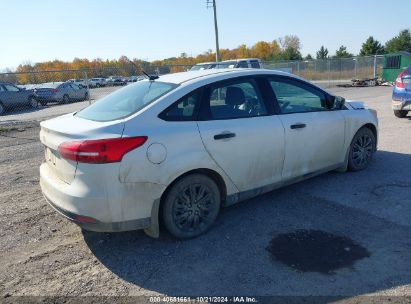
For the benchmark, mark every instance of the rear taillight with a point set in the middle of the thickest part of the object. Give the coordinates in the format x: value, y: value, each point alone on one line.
x: 100, y: 151
x: 398, y: 82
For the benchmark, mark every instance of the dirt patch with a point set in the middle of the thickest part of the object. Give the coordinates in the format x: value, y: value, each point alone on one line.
x: 317, y: 251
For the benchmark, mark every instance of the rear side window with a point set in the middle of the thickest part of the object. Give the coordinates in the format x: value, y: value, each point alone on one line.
x: 184, y: 109
x: 255, y: 64
x: 126, y: 101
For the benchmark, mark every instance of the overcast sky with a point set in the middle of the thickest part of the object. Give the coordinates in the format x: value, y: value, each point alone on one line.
x: 64, y: 29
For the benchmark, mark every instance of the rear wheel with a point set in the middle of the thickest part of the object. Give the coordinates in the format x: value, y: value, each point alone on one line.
x: 400, y: 113
x: 66, y: 99
x: 191, y: 206
x: 33, y: 102
x: 86, y: 96
x: 361, y: 150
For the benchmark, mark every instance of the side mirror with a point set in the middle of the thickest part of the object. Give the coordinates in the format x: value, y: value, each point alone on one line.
x: 336, y: 103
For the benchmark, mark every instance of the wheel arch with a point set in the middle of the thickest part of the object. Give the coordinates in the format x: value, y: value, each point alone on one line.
x: 215, y: 176
x: 157, y: 209
x: 373, y: 129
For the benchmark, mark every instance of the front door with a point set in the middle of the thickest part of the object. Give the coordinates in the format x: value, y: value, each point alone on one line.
x: 314, y: 135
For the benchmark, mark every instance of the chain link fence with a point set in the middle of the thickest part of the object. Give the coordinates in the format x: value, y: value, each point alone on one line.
x: 39, y: 95
x: 333, y: 71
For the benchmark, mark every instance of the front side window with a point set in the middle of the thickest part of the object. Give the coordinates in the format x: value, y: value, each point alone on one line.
x: 295, y: 97
x: 126, y: 101
x: 184, y: 109
x: 235, y: 100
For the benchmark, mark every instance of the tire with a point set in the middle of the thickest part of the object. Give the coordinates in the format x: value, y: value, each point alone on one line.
x: 191, y: 206
x: 86, y: 96
x: 400, y: 113
x: 2, y: 109
x: 33, y: 102
x: 66, y: 99
x: 362, y: 149
x: 98, y: 85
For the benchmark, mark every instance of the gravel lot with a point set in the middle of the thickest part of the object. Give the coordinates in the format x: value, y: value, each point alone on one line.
x: 43, y: 254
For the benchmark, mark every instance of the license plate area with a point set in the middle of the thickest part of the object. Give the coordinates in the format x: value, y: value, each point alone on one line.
x: 51, y: 156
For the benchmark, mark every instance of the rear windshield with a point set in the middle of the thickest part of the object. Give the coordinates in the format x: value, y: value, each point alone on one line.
x: 126, y: 101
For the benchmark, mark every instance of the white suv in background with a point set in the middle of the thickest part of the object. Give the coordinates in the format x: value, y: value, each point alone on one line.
x: 252, y: 63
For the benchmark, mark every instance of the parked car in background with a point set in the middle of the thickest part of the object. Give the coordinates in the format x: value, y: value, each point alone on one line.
x: 175, y: 148
x: 12, y: 97
x: 97, y: 82
x: 62, y: 92
x: 116, y: 81
x: 401, y: 94
x: 79, y: 82
x: 253, y: 63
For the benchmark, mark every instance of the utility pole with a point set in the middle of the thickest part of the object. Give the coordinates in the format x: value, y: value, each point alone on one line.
x: 217, y: 48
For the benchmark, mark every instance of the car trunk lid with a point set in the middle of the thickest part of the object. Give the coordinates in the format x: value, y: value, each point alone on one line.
x: 69, y: 127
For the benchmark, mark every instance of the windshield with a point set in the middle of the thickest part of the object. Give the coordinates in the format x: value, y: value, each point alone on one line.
x: 126, y: 101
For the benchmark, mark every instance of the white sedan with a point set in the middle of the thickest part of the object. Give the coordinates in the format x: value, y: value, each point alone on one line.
x: 177, y: 148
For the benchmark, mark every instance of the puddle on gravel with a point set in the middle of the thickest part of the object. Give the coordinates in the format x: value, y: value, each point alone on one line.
x: 317, y: 251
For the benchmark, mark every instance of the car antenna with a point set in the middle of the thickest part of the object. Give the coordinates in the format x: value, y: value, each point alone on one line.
x: 151, y: 77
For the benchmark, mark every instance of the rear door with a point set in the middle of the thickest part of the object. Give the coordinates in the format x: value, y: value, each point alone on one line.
x: 314, y: 135
x: 239, y: 134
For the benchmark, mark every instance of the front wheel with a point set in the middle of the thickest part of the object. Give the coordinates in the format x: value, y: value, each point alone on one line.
x: 400, y: 113
x: 86, y: 96
x: 361, y: 149
x: 191, y: 206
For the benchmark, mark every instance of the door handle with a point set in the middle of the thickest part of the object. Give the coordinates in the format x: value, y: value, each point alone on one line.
x: 298, y: 126
x: 224, y: 136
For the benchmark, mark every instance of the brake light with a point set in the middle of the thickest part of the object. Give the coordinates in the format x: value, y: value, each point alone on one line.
x: 398, y: 82
x: 54, y: 90
x: 100, y: 151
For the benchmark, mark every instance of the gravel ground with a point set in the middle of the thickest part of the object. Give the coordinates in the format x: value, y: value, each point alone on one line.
x: 42, y: 254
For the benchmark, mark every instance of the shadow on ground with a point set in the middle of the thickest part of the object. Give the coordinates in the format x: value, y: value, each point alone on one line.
x: 369, y: 208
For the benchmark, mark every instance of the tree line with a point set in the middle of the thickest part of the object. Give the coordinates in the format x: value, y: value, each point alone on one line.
x: 281, y: 49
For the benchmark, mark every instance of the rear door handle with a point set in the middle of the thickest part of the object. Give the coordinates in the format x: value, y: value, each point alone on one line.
x: 298, y: 126
x: 224, y: 136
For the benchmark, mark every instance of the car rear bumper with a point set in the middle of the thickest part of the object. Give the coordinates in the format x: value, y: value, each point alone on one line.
x: 92, y: 224
x: 401, y: 105
x: 95, y: 206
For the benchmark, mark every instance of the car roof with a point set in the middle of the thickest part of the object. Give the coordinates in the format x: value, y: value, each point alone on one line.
x: 241, y: 59
x: 179, y: 78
